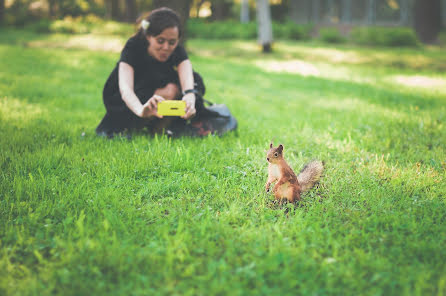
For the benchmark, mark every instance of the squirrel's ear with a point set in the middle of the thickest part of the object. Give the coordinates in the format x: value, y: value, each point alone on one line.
x: 280, y: 147
x: 271, y: 145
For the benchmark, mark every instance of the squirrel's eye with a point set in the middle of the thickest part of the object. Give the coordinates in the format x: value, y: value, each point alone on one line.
x: 276, y: 154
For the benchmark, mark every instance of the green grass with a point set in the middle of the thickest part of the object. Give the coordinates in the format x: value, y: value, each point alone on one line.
x: 82, y: 215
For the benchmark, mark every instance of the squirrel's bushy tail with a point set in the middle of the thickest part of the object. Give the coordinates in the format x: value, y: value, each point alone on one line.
x: 310, y: 174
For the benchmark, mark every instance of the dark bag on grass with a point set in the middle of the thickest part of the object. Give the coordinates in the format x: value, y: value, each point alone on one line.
x: 211, y: 119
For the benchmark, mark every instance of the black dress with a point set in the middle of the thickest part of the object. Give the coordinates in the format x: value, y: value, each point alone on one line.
x: 149, y: 75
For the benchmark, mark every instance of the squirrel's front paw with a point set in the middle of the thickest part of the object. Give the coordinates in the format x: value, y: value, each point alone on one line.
x: 267, y: 188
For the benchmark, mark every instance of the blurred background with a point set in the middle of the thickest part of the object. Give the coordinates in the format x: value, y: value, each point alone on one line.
x: 370, y: 22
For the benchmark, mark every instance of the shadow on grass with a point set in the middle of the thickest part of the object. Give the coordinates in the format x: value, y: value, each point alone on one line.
x: 263, y: 81
x: 397, y: 58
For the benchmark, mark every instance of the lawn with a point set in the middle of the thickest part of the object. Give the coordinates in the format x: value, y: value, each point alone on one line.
x: 83, y: 215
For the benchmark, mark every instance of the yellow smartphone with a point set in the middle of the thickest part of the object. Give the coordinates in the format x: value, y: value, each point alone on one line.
x: 172, y: 108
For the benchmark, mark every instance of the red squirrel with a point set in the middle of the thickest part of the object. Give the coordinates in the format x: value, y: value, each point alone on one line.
x: 289, y: 186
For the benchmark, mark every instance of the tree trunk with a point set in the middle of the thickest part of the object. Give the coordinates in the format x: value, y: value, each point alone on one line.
x: 316, y: 11
x: 371, y: 12
x: 244, y: 11
x: 330, y: 13
x: 199, y: 4
x: 182, y: 7
x: 294, y: 10
x: 130, y: 11
x: 300, y: 11
x: 443, y: 13
x: 220, y: 10
x: 107, y: 5
x: 346, y: 11
x: 52, y: 8
x: 404, y: 12
x: 2, y: 11
x: 114, y: 9
x: 264, y: 25
x: 427, y: 19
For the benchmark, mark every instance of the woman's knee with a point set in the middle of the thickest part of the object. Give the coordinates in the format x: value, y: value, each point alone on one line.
x: 170, y: 92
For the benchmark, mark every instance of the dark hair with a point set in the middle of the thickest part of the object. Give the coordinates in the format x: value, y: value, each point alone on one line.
x: 159, y: 20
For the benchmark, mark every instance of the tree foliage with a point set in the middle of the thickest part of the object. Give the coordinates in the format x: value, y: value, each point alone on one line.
x: 424, y: 15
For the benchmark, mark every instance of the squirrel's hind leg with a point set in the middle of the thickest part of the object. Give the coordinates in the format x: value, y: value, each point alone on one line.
x: 293, y: 194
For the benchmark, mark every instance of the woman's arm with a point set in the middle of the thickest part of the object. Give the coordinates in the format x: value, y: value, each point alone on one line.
x: 126, y: 82
x: 186, y: 76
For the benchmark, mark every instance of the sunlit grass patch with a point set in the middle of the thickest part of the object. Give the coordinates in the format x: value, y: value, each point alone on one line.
x: 420, y: 81
x: 83, y: 41
x: 291, y: 66
x: 19, y: 111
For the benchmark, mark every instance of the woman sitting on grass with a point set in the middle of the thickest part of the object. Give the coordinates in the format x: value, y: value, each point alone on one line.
x: 152, y: 68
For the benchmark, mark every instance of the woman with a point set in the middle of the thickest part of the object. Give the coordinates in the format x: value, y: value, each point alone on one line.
x: 152, y: 68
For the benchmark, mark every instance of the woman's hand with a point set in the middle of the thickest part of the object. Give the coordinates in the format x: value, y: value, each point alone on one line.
x: 150, y: 109
x: 190, y: 106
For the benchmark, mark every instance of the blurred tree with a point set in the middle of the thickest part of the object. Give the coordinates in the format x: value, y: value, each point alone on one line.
x: 405, y: 12
x: 264, y: 25
x: 427, y: 19
x: 112, y: 9
x: 316, y: 11
x: 53, y: 8
x: 244, y: 11
x: 17, y: 13
x: 346, y: 15
x: 60, y: 8
x: 71, y: 7
x: 2, y: 11
x: 371, y: 12
x: 299, y: 11
x: 443, y: 13
x: 130, y: 11
x: 197, y: 5
x: 280, y: 10
x: 221, y: 9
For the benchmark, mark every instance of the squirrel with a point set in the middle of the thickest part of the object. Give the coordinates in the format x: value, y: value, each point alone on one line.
x: 289, y: 186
